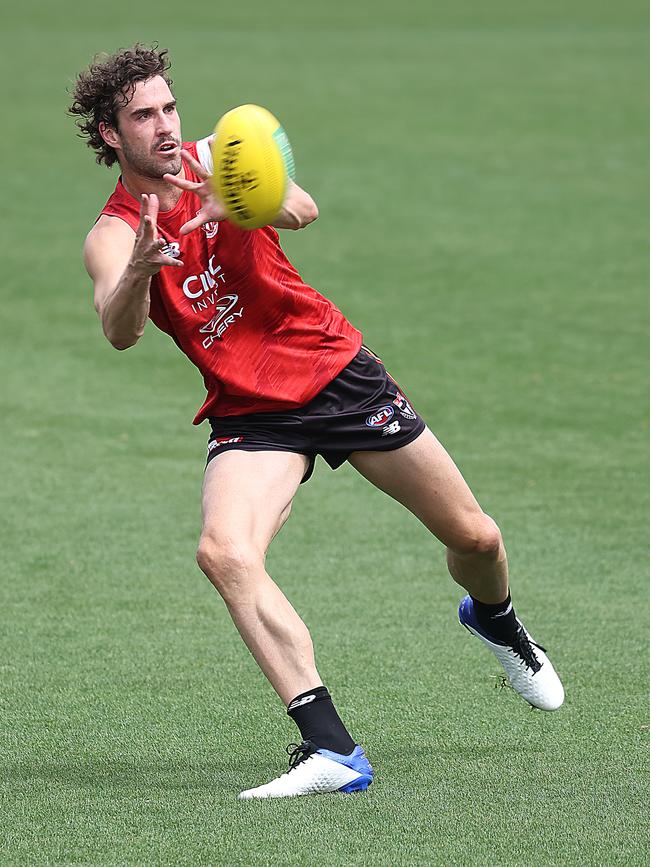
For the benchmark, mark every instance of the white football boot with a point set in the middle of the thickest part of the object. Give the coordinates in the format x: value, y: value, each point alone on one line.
x: 526, y: 664
x: 315, y: 771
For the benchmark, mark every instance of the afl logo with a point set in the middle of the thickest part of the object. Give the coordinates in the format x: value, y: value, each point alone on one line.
x: 381, y: 417
x: 210, y: 229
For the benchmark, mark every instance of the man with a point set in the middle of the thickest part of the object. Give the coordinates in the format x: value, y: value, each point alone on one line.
x: 287, y: 378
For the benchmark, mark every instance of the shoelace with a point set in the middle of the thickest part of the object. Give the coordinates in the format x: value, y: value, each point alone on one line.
x: 299, y: 753
x: 523, y: 647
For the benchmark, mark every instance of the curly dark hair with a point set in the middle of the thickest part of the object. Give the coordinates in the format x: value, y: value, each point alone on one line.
x: 108, y: 85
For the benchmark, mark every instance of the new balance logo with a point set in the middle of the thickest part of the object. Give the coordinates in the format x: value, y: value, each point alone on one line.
x: 298, y: 702
x: 392, y: 428
x: 171, y: 249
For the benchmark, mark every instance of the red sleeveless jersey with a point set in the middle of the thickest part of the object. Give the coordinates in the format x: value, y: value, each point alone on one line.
x: 263, y: 339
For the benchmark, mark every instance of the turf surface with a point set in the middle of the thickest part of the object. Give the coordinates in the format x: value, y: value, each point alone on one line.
x: 482, y: 175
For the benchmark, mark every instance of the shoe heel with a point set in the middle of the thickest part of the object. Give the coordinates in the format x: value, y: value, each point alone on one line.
x: 358, y: 785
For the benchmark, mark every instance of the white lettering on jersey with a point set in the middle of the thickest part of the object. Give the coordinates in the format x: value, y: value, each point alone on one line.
x: 205, y: 279
x: 222, y: 319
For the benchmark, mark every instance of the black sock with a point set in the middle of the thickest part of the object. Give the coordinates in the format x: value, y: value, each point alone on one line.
x: 318, y: 721
x: 497, y: 620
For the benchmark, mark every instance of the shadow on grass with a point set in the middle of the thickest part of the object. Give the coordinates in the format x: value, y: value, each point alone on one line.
x: 136, y: 776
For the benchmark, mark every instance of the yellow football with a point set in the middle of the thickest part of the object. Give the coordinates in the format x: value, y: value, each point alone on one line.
x: 252, y: 162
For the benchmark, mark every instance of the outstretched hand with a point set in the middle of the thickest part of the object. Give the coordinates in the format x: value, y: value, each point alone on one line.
x: 147, y: 253
x: 211, y: 208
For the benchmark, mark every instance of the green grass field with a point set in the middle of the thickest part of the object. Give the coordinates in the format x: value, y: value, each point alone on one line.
x: 482, y: 176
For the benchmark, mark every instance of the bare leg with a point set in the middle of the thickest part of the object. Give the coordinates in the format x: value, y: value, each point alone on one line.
x: 484, y: 579
x: 246, y: 500
x: 423, y: 477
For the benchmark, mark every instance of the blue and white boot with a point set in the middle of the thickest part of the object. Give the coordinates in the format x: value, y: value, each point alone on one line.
x: 526, y: 664
x: 315, y: 771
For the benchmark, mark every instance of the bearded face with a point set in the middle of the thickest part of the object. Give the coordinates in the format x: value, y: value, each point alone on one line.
x: 155, y: 160
x: 148, y: 134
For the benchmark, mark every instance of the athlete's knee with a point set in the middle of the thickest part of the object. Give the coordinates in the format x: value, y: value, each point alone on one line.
x: 229, y: 564
x: 478, y: 536
x: 284, y: 517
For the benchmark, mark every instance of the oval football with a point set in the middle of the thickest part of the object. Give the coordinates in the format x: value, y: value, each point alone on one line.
x: 252, y: 161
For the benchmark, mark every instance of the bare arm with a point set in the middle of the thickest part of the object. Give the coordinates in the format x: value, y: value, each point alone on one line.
x: 121, y: 264
x: 298, y: 210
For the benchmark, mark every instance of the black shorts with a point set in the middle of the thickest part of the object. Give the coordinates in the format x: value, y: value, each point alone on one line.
x: 362, y: 409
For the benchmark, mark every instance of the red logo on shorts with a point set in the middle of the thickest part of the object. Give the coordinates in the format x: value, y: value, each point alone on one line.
x: 221, y: 441
x: 404, y: 406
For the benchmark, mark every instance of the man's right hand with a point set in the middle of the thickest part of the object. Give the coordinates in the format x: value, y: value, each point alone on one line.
x: 147, y: 257
x: 121, y: 267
